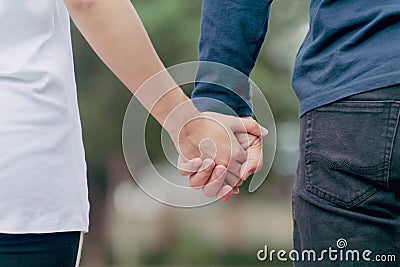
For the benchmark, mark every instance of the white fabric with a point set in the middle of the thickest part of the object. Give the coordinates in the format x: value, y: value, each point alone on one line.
x: 43, y: 184
x: 79, y: 254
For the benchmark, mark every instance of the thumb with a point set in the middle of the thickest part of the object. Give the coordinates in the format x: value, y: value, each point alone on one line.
x: 250, y: 126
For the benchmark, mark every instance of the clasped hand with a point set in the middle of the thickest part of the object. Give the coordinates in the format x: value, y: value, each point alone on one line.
x: 219, y: 152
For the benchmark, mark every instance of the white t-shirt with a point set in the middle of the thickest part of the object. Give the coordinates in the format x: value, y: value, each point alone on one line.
x: 43, y: 185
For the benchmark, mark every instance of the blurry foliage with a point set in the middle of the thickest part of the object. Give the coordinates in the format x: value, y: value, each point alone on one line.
x: 173, y: 26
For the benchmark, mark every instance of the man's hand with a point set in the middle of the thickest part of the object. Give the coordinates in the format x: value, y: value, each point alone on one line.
x: 253, y: 147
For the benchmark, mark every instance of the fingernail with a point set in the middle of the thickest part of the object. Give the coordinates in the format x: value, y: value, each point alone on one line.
x: 264, y: 131
x: 203, y: 166
x: 223, y: 194
x: 220, y: 171
x: 207, y: 163
x: 226, y: 189
x: 236, y: 190
x: 243, y: 170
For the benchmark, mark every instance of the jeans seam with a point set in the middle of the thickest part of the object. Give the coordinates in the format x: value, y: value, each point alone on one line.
x: 307, y: 141
x: 387, y: 153
x: 396, y: 117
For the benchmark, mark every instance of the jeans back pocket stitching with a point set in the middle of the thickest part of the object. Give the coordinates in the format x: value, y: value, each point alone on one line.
x: 359, y: 195
x: 335, y: 200
x: 322, y: 193
x: 378, y: 169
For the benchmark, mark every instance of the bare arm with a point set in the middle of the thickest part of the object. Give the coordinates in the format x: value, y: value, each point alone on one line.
x: 114, y: 30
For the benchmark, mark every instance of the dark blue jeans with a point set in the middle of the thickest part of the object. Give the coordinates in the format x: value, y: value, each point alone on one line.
x: 40, y: 250
x: 346, y: 197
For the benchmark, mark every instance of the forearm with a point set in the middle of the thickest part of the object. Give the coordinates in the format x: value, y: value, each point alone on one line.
x: 232, y: 33
x: 114, y: 30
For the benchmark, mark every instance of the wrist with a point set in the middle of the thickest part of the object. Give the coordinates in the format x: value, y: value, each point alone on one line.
x: 179, y: 117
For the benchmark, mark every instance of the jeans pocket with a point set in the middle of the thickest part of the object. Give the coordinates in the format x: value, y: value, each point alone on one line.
x: 348, y: 146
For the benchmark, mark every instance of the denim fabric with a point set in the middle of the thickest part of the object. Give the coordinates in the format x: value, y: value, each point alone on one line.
x: 348, y: 178
x: 352, y: 46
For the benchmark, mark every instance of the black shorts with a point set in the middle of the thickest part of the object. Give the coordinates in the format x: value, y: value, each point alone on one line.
x: 40, y: 250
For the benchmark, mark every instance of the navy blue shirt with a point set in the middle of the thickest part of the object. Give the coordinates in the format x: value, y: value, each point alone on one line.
x: 352, y: 46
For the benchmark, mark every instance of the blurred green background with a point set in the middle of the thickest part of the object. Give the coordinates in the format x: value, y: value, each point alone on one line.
x: 128, y: 228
